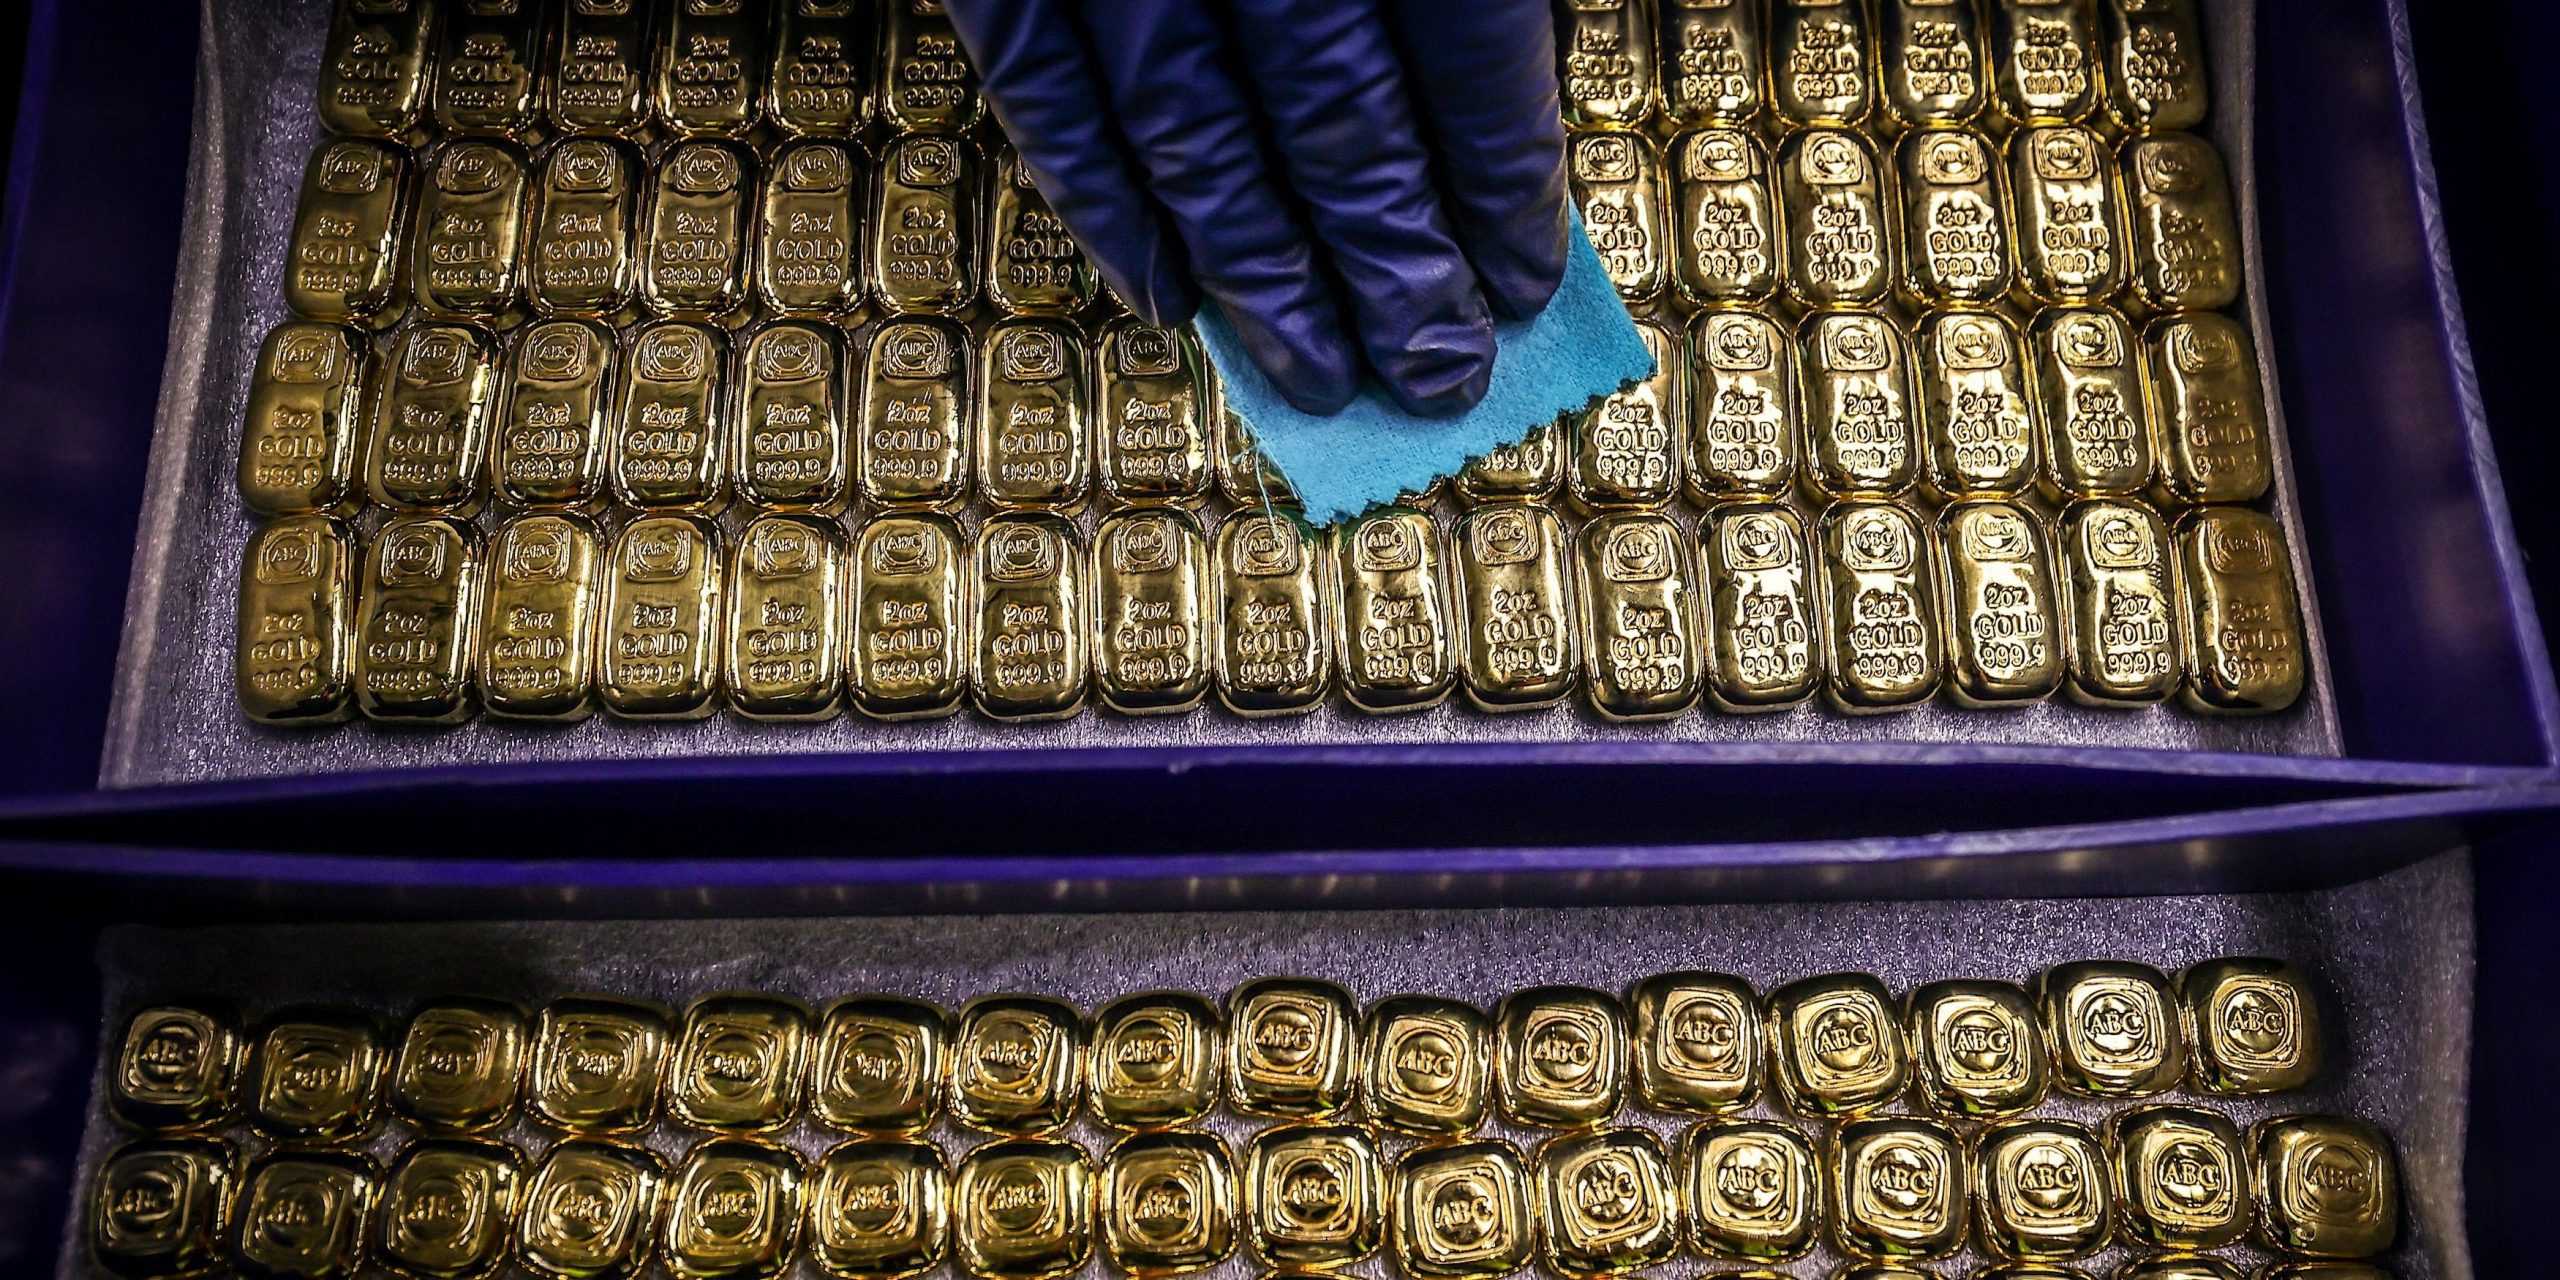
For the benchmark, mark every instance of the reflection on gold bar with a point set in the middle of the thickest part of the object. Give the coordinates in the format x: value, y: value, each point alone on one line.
x: 304, y: 425
x: 297, y: 596
x: 808, y: 257
x: 1931, y: 62
x: 663, y: 620
x: 1514, y: 584
x: 600, y: 67
x: 1976, y: 399
x: 1399, y: 639
x: 786, y: 641
x: 538, y: 626
x: 2122, y: 594
x: 1154, y: 627
x: 2240, y: 615
x: 2208, y: 408
x: 1881, y: 643
x: 343, y: 262
x: 1742, y: 410
x: 375, y: 68
x: 419, y: 608
x: 1763, y: 652
x: 1606, y: 54
x: 1712, y: 55
x: 693, y: 259
x: 1639, y: 617
x: 910, y: 631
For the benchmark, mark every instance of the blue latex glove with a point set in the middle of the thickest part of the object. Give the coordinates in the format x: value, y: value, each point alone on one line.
x: 1359, y: 185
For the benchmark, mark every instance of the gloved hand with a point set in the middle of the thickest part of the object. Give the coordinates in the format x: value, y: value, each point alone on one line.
x: 1358, y: 184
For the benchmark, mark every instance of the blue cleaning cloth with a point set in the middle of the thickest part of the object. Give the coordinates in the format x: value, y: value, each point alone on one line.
x: 1582, y: 347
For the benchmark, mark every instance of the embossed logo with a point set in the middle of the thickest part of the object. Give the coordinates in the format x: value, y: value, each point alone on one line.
x: 1564, y: 1048
x: 1284, y: 1033
x: 1268, y: 547
x: 2257, y: 1022
x: 287, y: 556
x: 1144, y: 545
x: 351, y: 169
x: 536, y: 552
x: 1147, y: 352
x: 434, y: 357
x: 873, y: 1201
x: 1502, y: 536
x: 1832, y: 160
x: 470, y: 169
x: 1164, y: 1209
x: 1854, y: 344
x: 585, y: 165
x: 557, y: 352
x: 1972, y: 343
x: 2199, y: 348
x: 1637, y: 553
x: 1464, y: 1211
x: 1754, y: 1181
x: 1876, y: 541
x: 784, y: 550
x: 1905, y: 1180
x: 1424, y: 1061
x: 2237, y: 550
x: 915, y: 351
x: 2065, y: 155
x: 1997, y: 536
x: 1701, y: 1034
x: 731, y: 1206
x: 928, y: 162
x: 1022, y: 553
x: 904, y: 550
x: 1019, y: 1199
x: 702, y: 169
x: 1953, y: 159
x: 2050, y: 1179
x: 1738, y: 343
x: 2169, y: 167
x: 654, y: 552
x: 304, y: 356
x: 1312, y: 1192
x: 2192, y: 1175
x: 1031, y: 355
x: 1756, y: 540
x: 2087, y: 342
x: 2338, y: 1182
x: 413, y: 556
x: 789, y: 355
x: 2119, y: 540
x: 817, y: 168
x: 2117, y: 1025
x: 1386, y: 546
x: 1604, y: 157
x: 1148, y: 1049
x: 673, y: 355
x: 1721, y: 155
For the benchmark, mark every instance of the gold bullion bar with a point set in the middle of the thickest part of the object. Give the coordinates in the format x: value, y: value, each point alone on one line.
x: 538, y: 623
x: 660, y: 651
x: 375, y: 71
x: 580, y: 259
x: 2044, y: 59
x: 1035, y: 440
x: 912, y: 442
x: 2254, y: 1026
x: 1032, y: 663
x: 808, y: 257
x: 693, y: 254
x: 1839, y: 228
x: 2041, y: 1189
x: 2186, y: 233
x: 1531, y: 470
x: 1728, y: 216
x: 1698, y: 1042
x: 733, y: 1211
x: 1463, y: 1211
x: 1293, y: 1048
x: 786, y: 633
x: 1038, y: 268
x: 318, y: 1073
x: 2208, y: 409
x: 789, y: 439
x: 2092, y: 421
x: 670, y: 429
x: 820, y: 83
x: 1753, y: 1190
x: 2071, y: 233
x: 1979, y: 1051
x: 708, y: 56
x: 2118, y: 589
x: 1017, y: 1065
x: 739, y: 1063
x: 1640, y: 617
x: 1881, y: 646
x: 1955, y: 218
x: 1515, y: 607
x: 591, y: 1211
x: 1159, y: 1059
x: 2180, y: 1177
x: 449, y: 1208
x: 1274, y: 642
x: 1618, y: 181
x: 1820, y: 54
x: 1931, y: 60
x: 1426, y: 1065
x: 1166, y: 1203
x: 2326, y: 1186
x: 486, y: 67
x: 461, y: 1064
x: 880, y: 1065
x: 2242, y: 621
x: 1317, y: 1195
x: 1607, y: 1202
x: 2111, y: 1028
x: 161, y: 1208
x: 178, y: 1068
x: 600, y: 66
x: 910, y: 630
x: 1742, y: 409
x: 551, y: 439
x: 880, y: 1210
x: 1762, y: 651
x: 1154, y: 629
x: 1625, y: 451
x: 1977, y: 400
x: 2004, y: 622
x: 304, y: 424
x: 1560, y: 1056
x: 1837, y: 1045
x: 1861, y: 425
x: 297, y: 599
x: 1246, y: 476
x: 2156, y: 77
x: 304, y: 1213
x: 1152, y: 436
x: 414, y: 622
x: 597, y: 1063
x: 1023, y: 1210
x: 1399, y: 636
x: 431, y: 409
x: 1711, y: 61
x: 1605, y: 57
x: 1898, y: 1190
x: 926, y: 81
x: 343, y: 263
x: 924, y: 226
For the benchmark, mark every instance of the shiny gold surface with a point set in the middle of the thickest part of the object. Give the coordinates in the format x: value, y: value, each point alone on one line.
x: 1246, y: 477
x: 556, y: 424
x: 694, y: 250
x: 1821, y: 62
x: 912, y: 446
x: 597, y: 1063
x: 461, y: 1064
x: 2092, y: 420
x: 599, y: 79
x: 924, y: 225
x: 1399, y: 634
x: 1758, y: 589
x: 2156, y: 75
x: 591, y: 1211
x: 821, y: 79
x: 909, y: 633
x: 1742, y: 436
x: 2044, y: 59
x: 1882, y: 646
x: 1753, y: 1190
x: 663, y: 616
x: 1605, y: 55
x: 449, y: 1209
x: 1899, y: 1189
x: 1274, y: 641
x: 1531, y: 470
x: 1167, y: 1204
x: 305, y: 1214
x: 2004, y: 624
x: 1861, y: 419
x: 1728, y: 215
x: 880, y: 1064
x: 1640, y: 616
x: 317, y: 1074
x: 733, y: 1212
x: 2200, y: 376
x: 1840, y: 225
x: 2326, y: 1187
x: 880, y: 1210
x: 671, y: 423
x: 2119, y: 588
x: 1153, y: 443
x: 1837, y: 1045
x: 2071, y: 233
x: 740, y: 1063
x: 1155, y: 630
x: 1293, y: 1047
x: 2179, y: 1176
x: 178, y: 1068
x: 304, y: 425
x: 1032, y: 659
x: 1625, y: 452
x: 2040, y: 1187
x: 376, y: 68
x: 1037, y: 267
x: 1023, y: 1210
x: 1977, y: 404
x: 1618, y: 182
x: 1035, y: 437
x: 808, y: 255
x: 1463, y: 1211
x: 1159, y: 1060
x: 1426, y: 1065
x: 2186, y: 231
x: 2253, y: 1024
x: 925, y: 78
x: 1560, y: 1056
x: 580, y: 252
x: 1697, y: 1042
x: 160, y: 1208
x: 486, y: 76
x: 433, y: 403
x: 1515, y: 586
x: 343, y: 263
x: 1713, y: 54
x: 1607, y: 1202
x: 467, y: 260
x: 2112, y: 1029
x: 1017, y: 1068
x: 1931, y: 61
x: 416, y: 620
x: 1978, y: 1048
x: 2239, y: 613
x: 790, y: 443
x: 709, y: 53
x: 295, y: 648
x: 1316, y: 1195
x: 1955, y: 217
x: 538, y: 619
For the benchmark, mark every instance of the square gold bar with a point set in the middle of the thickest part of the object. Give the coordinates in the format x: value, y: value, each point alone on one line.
x: 449, y: 1209
x: 2254, y: 1025
x: 1698, y: 1042
x: 2180, y: 1176
x: 1399, y: 649
x: 910, y: 630
x: 160, y: 1209
x: 487, y: 73
x: 2040, y: 1187
x: 177, y: 1069
x: 925, y: 254
x: 733, y: 1212
x: 597, y: 1063
x: 305, y: 1214
x: 1607, y: 1202
x: 1753, y: 1190
x: 694, y: 250
x: 2156, y: 73
x: 591, y: 1211
x: 2004, y: 625
x: 880, y: 1210
x: 784, y: 639
x: 1317, y: 1195
x: 2327, y: 1187
x: 1560, y: 1056
x: 880, y: 1064
x: 1618, y: 184
x: 1017, y: 1065
x: 461, y: 1065
x: 1979, y: 1050
x: 1293, y: 1048
x: 1427, y: 1061
x: 1159, y: 1060
x: 670, y: 448
x: 1837, y: 1045
x: 1900, y: 1191
x: 2112, y: 1027
x: 1167, y: 1204
x: 467, y: 258
x: 2044, y: 59
x: 319, y: 1074
x: 343, y: 263
x: 808, y: 255
x: 740, y: 1063
x: 1023, y: 1209
x: 1463, y: 1212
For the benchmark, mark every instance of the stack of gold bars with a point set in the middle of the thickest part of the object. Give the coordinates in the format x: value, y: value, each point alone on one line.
x: 525, y: 1137
x: 715, y: 354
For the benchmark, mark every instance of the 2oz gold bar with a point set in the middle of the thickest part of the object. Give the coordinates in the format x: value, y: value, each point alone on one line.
x: 1293, y: 1048
x: 786, y: 632
x: 2208, y: 408
x: 1742, y: 436
x: 1560, y: 1056
x: 2005, y: 642
x: 538, y: 625
x: 1017, y: 1066
x: 305, y: 1213
x: 1625, y: 452
x: 924, y: 225
x: 2239, y: 613
x: 597, y: 1062
x: 693, y: 256
x: 431, y: 411
x: 343, y: 262
x: 2093, y: 421
x: 2186, y: 232
x: 671, y: 409
x: 1316, y: 1194
x: 160, y: 1209
x: 178, y: 1069
x: 1840, y: 249
x: 415, y: 621
x: 1837, y: 1045
x: 1607, y: 1202
x: 2254, y: 1026
x: 662, y: 620
x: 1753, y: 1190
x: 2326, y: 1186
x: 460, y: 1065
x: 1881, y: 644
x: 1640, y: 619
x: 1152, y: 436
x: 1955, y: 218
x: 1931, y: 61
x: 1154, y: 630
x: 880, y: 1065
x: 1038, y: 269
x: 579, y: 257
x: 2156, y: 76
x: 1605, y: 53
x: 1158, y: 1060
x: 486, y: 67
x: 1167, y: 1204
x: 1978, y: 400
x: 1023, y: 1210
x: 1531, y: 470
x: 297, y: 597
x: 2071, y: 233
x: 1899, y: 1189
x: 820, y: 84
x: 926, y: 81
x: 304, y: 425
x: 1399, y: 639
x: 591, y: 1211
x: 1762, y: 651
x: 1035, y: 439
x: 910, y: 630
x: 1246, y: 477
x: 2180, y: 1177
x: 449, y: 1208
x: 740, y: 1062
x: 550, y: 444
x: 2044, y: 58
x: 2112, y: 1029
x: 1618, y: 181
x: 1426, y: 1064
x: 1820, y: 62
x: 880, y: 1210
x: 2041, y: 1188
x: 733, y: 1212
x: 375, y: 70
x: 2122, y: 598
x: 1515, y: 582
x: 1463, y: 1211
x: 319, y: 1073
x: 1860, y: 419
x: 709, y: 53
x: 913, y: 445
x: 790, y: 444
x: 1979, y: 1050
x: 808, y: 257
x: 1698, y: 1042
x: 601, y: 60
x: 1728, y: 216
x: 1712, y: 56
x: 1032, y: 663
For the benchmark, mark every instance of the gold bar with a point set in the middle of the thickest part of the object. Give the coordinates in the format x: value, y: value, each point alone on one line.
x: 2240, y: 615
x: 178, y: 1068
x: 1560, y: 1056
x: 597, y: 1062
x: 431, y: 411
x: 2326, y: 1186
x: 1017, y: 1068
x: 1463, y: 1212
x: 2092, y: 421
x: 1245, y: 476
x: 2123, y: 601
x: 2255, y: 1023
x: 926, y: 81
x: 1698, y: 1042
x: 1837, y: 1046
x: 693, y: 263
x: 1426, y: 1063
x: 1881, y: 649
x: 1167, y: 1202
x: 2112, y: 1028
x: 1039, y: 269
x: 1032, y: 663
x: 600, y: 68
x: 786, y: 633
x: 1753, y: 1190
x: 1639, y: 615
x: 161, y: 1208
x: 586, y: 211
x: 880, y: 1210
x: 1531, y: 470
x: 1860, y: 420
x: 1607, y: 1202
x: 374, y: 70
x: 1820, y: 63
x: 808, y: 259
x: 1898, y: 1192
x: 2156, y: 76
x: 671, y: 427
x: 1606, y: 63
x: 1742, y: 438
x: 414, y: 622
x: 2071, y: 233
x: 1761, y: 652
x: 790, y: 435
x: 449, y: 1208
x: 319, y: 1073
x: 2186, y: 232
x: 910, y: 632
x: 1515, y: 607
x: 1728, y: 216
x: 1274, y: 645
x: 1625, y: 452
x: 733, y: 1211
x: 709, y: 52
x: 1399, y: 637
x: 1023, y: 1210
x: 1317, y: 1195
x: 485, y: 78
x: 343, y: 262
x: 2041, y: 1188
x: 820, y: 84
x: 2004, y: 623
x: 1152, y: 441
x: 538, y: 625
x: 304, y: 425
x: 1955, y: 219
x: 460, y: 1065
x: 1840, y: 230
x: 1158, y: 1060
x: 550, y: 443
x: 1154, y: 630
x: 1979, y: 1051
x: 1711, y: 60
x: 1977, y: 399
x: 879, y: 1065
x: 2044, y: 58
x: 305, y: 1213
x: 1618, y: 181
x: 924, y: 226
x: 913, y: 446
x: 1035, y: 439
x: 739, y: 1063
x: 297, y: 594
x: 591, y: 1211
x: 2208, y: 409
x: 1293, y: 1048
x: 1932, y: 62
x: 662, y: 616
x: 2180, y: 1177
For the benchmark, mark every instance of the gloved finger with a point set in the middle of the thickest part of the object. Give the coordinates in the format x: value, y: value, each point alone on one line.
x: 1042, y: 83
x: 1486, y: 90
x: 1194, y: 129
x: 1333, y: 91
